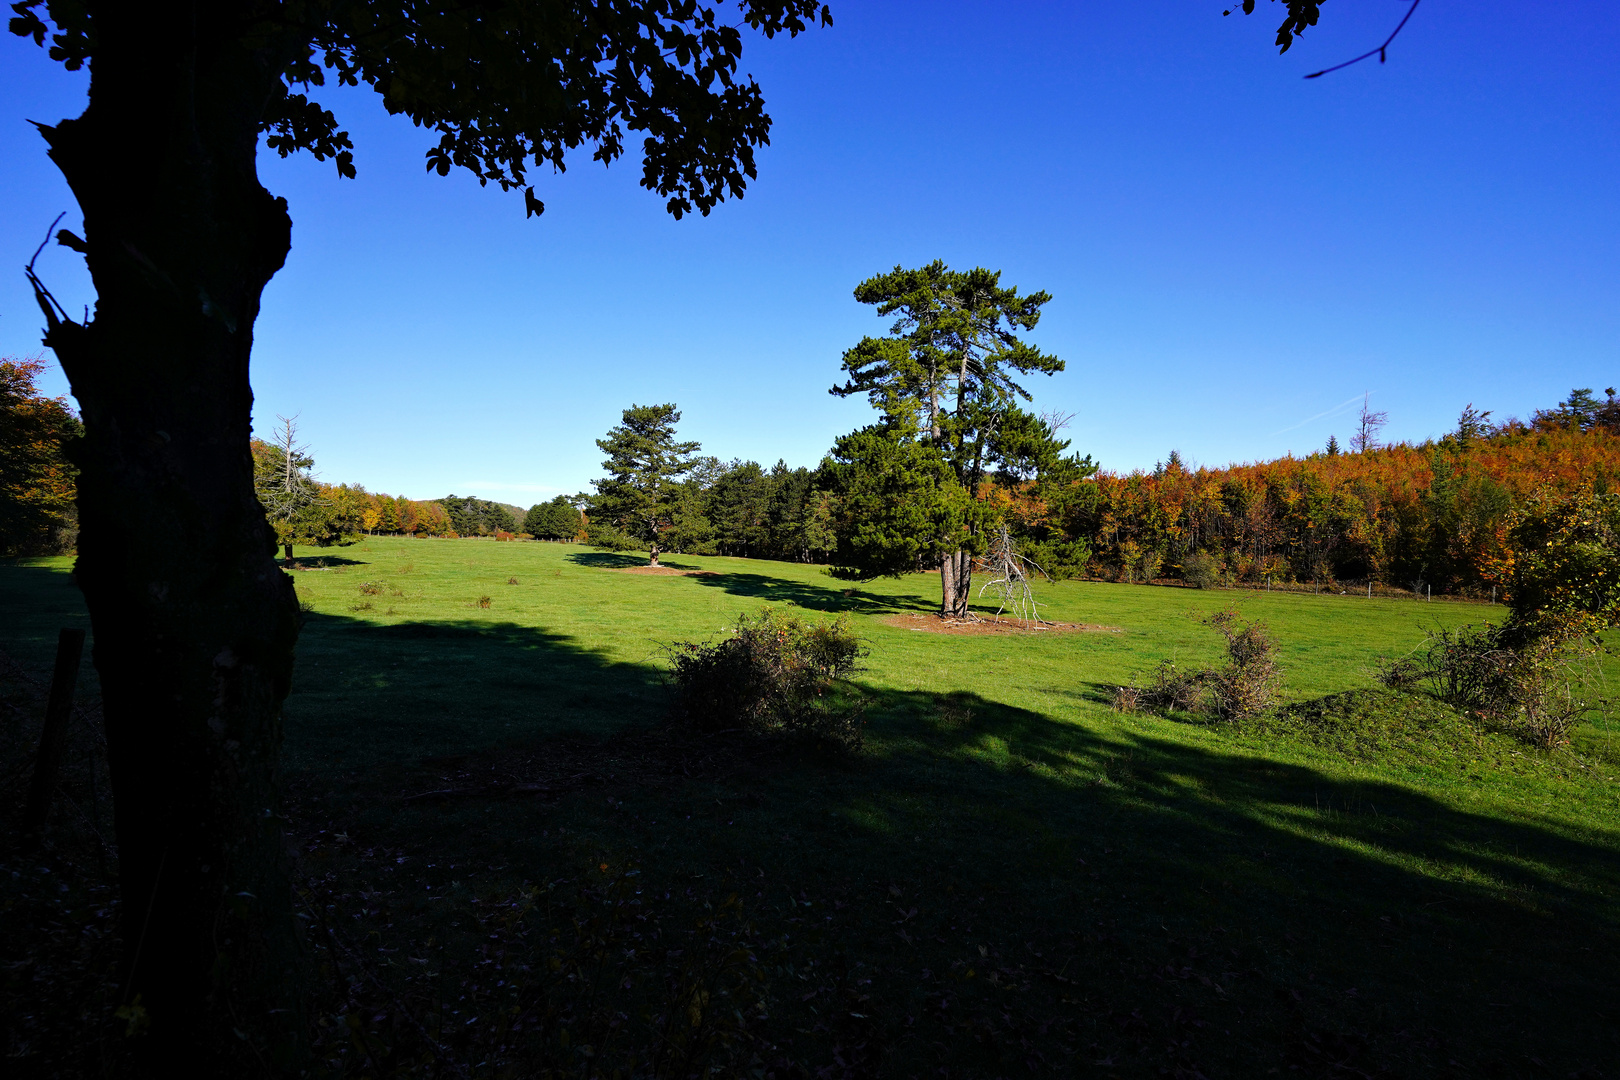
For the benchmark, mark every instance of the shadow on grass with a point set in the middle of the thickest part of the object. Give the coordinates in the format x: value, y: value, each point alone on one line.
x: 319, y: 562
x: 1010, y: 892
x: 832, y: 597
x: 1196, y: 907
x: 616, y: 560
x: 366, y: 692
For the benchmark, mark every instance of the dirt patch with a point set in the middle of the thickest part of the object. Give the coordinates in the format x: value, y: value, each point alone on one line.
x: 666, y: 571
x: 933, y: 624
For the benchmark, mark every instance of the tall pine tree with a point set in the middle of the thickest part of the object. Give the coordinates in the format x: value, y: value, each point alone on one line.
x: 946, y: 381
x: 644, y: 467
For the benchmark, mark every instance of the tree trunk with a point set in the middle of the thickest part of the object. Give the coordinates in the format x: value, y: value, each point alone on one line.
x: 286, y: 551
x: 956, y: 581
x: 194, y: 624
x: 653, y: 560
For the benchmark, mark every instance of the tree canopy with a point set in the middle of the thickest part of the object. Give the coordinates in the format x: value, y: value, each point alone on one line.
x: 37, y: 515
x: 558, y: 519
x: 506, y: 85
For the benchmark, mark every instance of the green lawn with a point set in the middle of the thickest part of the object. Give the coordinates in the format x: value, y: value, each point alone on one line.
x: 1010, y: 879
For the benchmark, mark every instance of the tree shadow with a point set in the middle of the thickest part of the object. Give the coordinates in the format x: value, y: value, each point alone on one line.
x: 616, y: 560
x: 319, y: 562
x: 1153, y: 878
x: 834, y: 597
x: 422, y: 689
x: 1001, y: 876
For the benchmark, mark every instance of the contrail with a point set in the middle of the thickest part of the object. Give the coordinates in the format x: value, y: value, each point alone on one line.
x: 1318, y: 416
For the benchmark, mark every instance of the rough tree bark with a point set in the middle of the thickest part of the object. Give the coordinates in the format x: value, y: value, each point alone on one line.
x: 956, y: 581
x: 194, y: 624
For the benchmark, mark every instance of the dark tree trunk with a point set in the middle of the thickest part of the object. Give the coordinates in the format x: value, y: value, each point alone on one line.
x: 956, y: 581
x: 286, y: 550
x: 194, y: 624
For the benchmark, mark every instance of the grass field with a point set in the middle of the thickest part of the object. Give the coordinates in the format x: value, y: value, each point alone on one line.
x: 1010, y: 879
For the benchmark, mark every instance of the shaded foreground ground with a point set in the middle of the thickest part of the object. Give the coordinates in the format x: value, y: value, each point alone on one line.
x: 506, y: 861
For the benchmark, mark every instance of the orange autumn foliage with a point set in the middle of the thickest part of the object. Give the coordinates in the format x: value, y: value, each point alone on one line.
x: 37, y: 482
x: 1436, y: 512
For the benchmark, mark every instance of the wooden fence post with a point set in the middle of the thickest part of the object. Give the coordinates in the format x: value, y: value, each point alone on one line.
x: 69, y: 646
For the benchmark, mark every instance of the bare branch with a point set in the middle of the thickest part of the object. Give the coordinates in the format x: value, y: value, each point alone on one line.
x: 1378, y: 52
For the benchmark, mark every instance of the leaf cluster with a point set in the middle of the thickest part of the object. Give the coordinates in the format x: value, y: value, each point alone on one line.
x: 507, y: 85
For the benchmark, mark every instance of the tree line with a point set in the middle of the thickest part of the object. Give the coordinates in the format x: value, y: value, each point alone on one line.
x: 1434, y: 515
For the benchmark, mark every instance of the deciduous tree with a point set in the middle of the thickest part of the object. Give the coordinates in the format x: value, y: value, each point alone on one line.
x: 194, y: 626
x: 36, y: 478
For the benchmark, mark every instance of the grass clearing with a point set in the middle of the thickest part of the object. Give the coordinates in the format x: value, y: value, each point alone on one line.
x: 1011, y: 878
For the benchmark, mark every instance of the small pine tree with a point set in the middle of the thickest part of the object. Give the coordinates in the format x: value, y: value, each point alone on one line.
x: 1333, y: 446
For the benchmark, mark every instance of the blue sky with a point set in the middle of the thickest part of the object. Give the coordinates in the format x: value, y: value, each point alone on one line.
x: 1232, y: 250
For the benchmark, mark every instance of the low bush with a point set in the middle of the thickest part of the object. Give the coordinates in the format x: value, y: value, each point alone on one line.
x: 777, y: 674
x: 1246, y: 686
x: 1537, y: 688
x: 371, y: 588
x: 1201, y: 570
x: 1251, y: 680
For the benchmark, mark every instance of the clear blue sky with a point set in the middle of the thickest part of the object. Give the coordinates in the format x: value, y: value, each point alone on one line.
x: 1232, y: 251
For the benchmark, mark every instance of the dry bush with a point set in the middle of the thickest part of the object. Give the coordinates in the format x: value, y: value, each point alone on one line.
x: 1126, y: 699
x: 1248, y: 684
x: 1173, y: 688
x: 1250, y: 681
x: 776, y: 674
x: 1537, y: 689
x: 371, y: 588
x: 484, y: 601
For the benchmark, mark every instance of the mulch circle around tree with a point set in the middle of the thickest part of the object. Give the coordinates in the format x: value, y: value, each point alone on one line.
x: 665, y: 571
x: 934, y: 624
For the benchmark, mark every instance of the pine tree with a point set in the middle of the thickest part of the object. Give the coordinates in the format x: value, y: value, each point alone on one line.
x: 945, y: 381
x: 644, y: 465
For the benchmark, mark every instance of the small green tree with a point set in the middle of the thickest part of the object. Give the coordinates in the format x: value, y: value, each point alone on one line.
x: 558, y: 519
x: 899, y: 505
x: 645, y: 463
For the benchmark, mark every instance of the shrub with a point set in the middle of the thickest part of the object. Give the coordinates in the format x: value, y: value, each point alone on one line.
x: 777, y: 674
x: 1173, y: 688
x: 1537, y: 689
x: 371, y: 588
x: 483, y: 601
x: 1201, y: 570
x: 1247, y: 685
x: 1126, y: 698
x: 1250, y: 681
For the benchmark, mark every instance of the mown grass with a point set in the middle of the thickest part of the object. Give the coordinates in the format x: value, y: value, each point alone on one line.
x: 1010, y: 879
